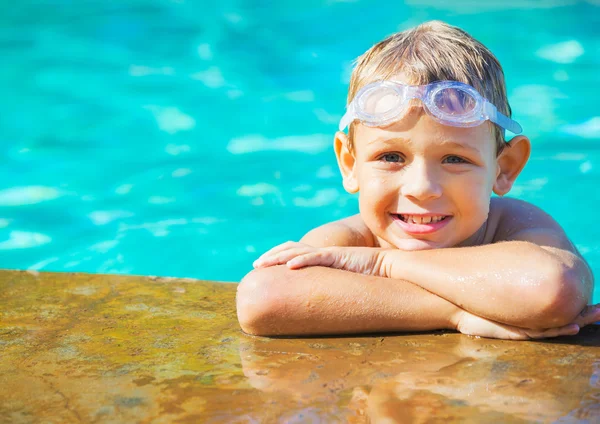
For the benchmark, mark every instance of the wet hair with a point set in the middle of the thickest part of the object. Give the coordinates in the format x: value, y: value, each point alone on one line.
x: 434, y: 51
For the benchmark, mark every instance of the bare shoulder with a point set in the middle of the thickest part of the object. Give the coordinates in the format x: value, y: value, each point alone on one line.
x: 515, y: 219
x: 350, y: 231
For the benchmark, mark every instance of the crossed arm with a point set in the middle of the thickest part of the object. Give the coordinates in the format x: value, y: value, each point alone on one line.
x: 515, y: 282
x: 533, y: 284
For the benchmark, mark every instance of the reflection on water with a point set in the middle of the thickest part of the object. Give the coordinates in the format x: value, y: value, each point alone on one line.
x: 121, y: 120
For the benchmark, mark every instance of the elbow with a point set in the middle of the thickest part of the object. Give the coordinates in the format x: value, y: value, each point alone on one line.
x: 258, y: 302
x: 563, y: 297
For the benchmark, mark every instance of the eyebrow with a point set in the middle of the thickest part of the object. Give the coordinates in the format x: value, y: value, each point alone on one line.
x: 445, y: 143
x: 393, y: 140
x: 454, y: 144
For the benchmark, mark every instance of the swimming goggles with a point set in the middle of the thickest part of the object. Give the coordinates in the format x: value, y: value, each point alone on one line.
x: 448, y: 102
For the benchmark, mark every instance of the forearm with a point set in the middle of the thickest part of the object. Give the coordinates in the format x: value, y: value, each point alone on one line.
x: 318, y: 300
x: 516, y: 283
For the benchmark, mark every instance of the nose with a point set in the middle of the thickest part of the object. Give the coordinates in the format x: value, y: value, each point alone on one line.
x: 420, y: 182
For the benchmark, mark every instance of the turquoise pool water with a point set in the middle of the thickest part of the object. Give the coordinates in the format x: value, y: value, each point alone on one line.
x: 183, y: 138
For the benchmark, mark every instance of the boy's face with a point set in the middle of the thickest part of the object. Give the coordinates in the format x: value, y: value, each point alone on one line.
x: 424, y: 185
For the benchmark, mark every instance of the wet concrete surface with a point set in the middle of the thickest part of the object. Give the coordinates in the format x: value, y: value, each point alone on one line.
x: 100, y: 348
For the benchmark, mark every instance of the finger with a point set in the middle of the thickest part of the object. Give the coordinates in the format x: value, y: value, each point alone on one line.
x: 494, y: 330
x: 509, y: 334
x: 282, y: 257
x: 566, y: 330
x: 273, y: 251
x: 279, y: 248
x: 589, y: 315
x: 311, y: 259
x: 278, y: 258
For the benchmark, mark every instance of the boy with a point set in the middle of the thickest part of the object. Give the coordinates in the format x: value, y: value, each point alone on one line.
x: 430, y: 249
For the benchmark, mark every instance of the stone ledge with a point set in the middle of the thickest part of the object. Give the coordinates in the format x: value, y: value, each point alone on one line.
x: 107, y: 348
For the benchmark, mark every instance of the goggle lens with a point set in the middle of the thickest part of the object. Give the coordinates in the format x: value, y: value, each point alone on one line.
x: 454, y: 102
x: 381, y: 101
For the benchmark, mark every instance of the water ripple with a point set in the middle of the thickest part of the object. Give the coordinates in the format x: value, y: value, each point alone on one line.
x: 256, y: 143
x: 24, y: 240
x: 19, y: 196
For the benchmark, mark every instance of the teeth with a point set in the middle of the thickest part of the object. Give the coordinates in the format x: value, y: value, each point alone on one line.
x: 415, y: 219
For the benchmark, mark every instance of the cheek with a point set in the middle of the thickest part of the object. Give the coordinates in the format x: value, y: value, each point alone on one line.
x: 379, y: 189
x: 377, y: 194
x: 476, y: 199
x: 472, y: 192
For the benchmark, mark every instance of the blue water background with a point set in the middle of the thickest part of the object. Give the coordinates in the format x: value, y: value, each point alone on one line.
x: 183, y: 138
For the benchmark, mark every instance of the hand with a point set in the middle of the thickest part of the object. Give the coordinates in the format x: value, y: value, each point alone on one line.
x: 474, y: 325
x: 363, y: 260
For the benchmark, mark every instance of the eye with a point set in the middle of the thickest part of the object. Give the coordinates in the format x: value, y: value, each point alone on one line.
x: 391, y: 157
x: 454, y: 160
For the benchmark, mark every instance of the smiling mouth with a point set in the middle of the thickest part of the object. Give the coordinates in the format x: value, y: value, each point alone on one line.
x: 421, y: 219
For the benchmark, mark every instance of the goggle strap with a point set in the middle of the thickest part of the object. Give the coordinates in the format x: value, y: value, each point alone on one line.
x: 347, y: 118
x: 501, y: 119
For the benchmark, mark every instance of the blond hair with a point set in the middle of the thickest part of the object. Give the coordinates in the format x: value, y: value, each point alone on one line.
x: 434, y: 51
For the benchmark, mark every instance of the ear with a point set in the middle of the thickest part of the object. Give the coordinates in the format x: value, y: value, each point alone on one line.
x: 511, y: 162
x: 346, y: 161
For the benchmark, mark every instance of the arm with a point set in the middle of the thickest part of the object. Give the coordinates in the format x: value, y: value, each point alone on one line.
x: 319, y: 300
x: 533, y: 277
x: 277, y: 300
